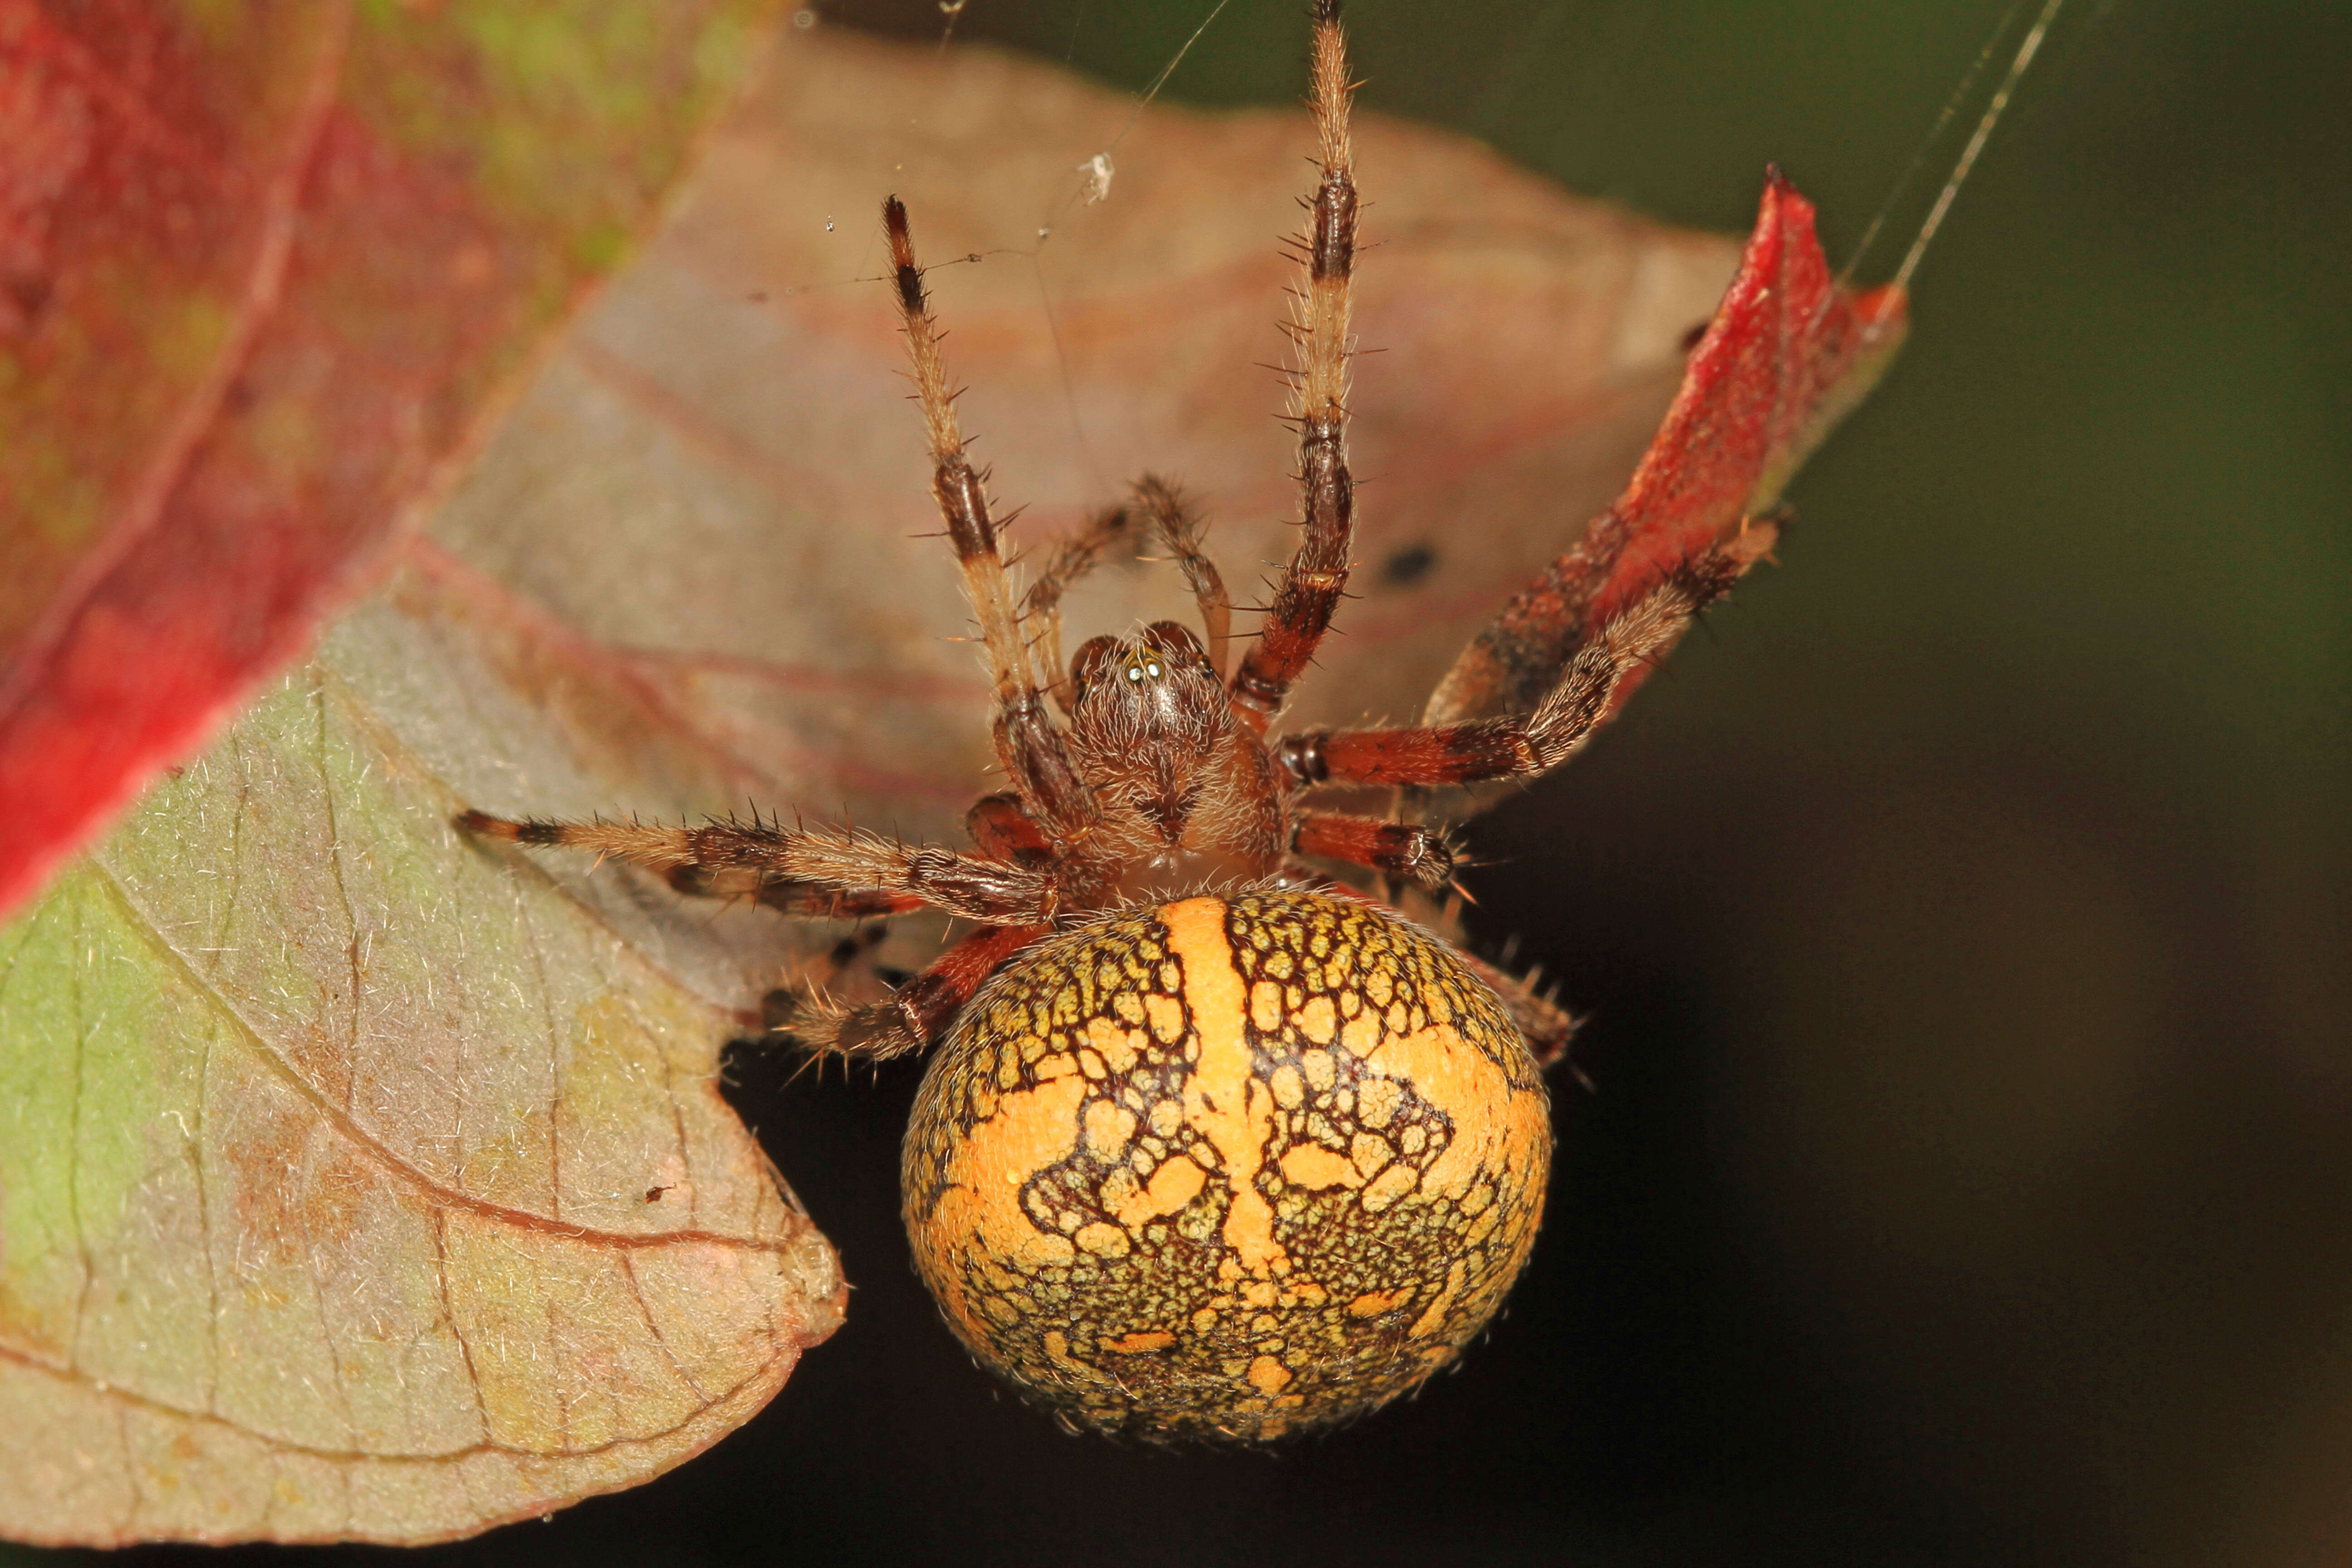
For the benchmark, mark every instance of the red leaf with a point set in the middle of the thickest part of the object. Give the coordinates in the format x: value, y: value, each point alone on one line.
x: 260, y: 271
x: 1788, y: 352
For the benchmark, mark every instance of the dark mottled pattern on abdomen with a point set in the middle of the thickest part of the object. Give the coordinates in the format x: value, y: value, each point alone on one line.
x: 1069, y: 1171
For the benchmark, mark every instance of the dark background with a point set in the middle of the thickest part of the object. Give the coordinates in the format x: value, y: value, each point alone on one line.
x: 1967, y: 926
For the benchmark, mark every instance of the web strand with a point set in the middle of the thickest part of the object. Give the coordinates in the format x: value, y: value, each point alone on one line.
x: 1958, y: 96
x: 1045, y: 230
x: 1994, y: 109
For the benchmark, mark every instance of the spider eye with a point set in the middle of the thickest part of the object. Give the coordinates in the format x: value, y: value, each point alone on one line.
x: 1135, y: 675
x: 1153, y: 669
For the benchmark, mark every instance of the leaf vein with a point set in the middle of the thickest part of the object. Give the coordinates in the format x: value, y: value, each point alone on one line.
x: 433, y: 1192
x: 123, y: 1401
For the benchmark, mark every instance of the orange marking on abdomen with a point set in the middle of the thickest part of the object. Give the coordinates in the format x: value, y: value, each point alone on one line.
x: 1223, y: 1100
x: 982, y: 1203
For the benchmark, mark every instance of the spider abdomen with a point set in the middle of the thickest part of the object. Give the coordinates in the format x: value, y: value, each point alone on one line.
x: 1227, y: 1168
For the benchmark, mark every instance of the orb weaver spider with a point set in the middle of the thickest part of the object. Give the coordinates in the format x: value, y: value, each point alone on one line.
x: 1212, y: 1146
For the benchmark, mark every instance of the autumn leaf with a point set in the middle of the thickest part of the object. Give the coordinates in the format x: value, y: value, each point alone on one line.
x: 285, y: 1034
x: 349, y: 1190
x: 1788, y: 352
x: 261, y: 271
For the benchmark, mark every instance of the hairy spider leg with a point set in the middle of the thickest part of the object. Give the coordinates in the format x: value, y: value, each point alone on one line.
x: 914, y: 1016
x: 1409, y: 851
x: 1003, y: 831
x: 800, y: 900
x: 1310, y: 585
x: 1032, y: 749
x: 1160, y: 504
x: 1582, y: 697
x: 1546, y: 1023
x: 737, y: 856
x: 1072, y: 557
x: 803, y: 900
x: 1180, y: 531
x: 1519, y: 655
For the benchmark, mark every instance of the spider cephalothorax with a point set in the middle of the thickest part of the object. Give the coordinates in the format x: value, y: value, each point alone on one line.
x: 1188, y: 796
x: 1262, y: 1157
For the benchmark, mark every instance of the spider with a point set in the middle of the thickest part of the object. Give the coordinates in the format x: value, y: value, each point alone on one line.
x: 1213, y: 1146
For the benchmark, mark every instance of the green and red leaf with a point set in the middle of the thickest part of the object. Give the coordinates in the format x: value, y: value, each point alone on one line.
x: 263, y: 269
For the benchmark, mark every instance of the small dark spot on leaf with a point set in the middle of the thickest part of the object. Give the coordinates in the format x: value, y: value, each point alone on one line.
x: 1408, y: 565
x: 29, y: 294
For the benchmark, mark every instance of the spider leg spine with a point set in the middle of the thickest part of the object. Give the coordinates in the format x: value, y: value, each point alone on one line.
x: 1425, y: 856
x: 1179, y: 529
x: 1032, y: 749
x: 1310, y: 585
x: 917, y: 1015
x: 1586, y: 689
x: 870, y: 873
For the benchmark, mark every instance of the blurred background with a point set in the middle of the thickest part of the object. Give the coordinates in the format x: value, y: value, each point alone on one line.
x: 1966, y: 926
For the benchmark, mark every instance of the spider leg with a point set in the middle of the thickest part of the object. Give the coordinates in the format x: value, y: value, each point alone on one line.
x: 1513, y: 661
x: 1034, y: 752
x: 1073, y: 555
x: 914, y: 1017
x: 800, y: 900
x: 869, y: 870
x: 1311, y: 584
x: 1180, y: 529
x: 1003, y: 831
x: 1076, y: 554
x: 1582, y: 697
x: 1409, y: 851
x: 1546, y: 1024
